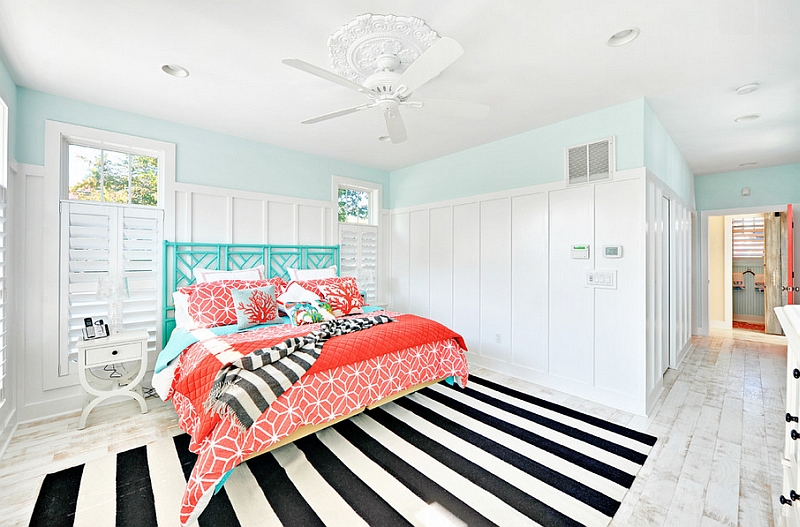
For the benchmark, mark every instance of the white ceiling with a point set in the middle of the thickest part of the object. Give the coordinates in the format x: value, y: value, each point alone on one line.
x: 534, y: 62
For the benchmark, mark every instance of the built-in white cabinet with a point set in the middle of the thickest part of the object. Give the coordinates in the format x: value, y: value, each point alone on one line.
x: 789, y: 317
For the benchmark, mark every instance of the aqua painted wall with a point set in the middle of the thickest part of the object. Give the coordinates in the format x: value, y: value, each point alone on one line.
x: 203, y: 157
x: 663, y: 158
x: 530, y: 158
x: 8, y: 91
x: 768, y: 186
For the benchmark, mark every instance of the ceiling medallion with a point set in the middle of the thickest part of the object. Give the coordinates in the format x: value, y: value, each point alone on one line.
x: 356, y: 47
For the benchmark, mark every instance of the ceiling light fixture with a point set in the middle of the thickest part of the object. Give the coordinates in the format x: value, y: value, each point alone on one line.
x: 175, y: 70
x: 747, y: 118
x: 750, y: 164
x: 750, y: 87
x: 623, y: 37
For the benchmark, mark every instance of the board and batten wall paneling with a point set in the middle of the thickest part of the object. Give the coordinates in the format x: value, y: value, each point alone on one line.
x: 248, y: 221
x: 467, y: 273
x: 419, y: 263
x: 495, y: 279
x: 399, y: 279
x: 529, y: 280
x: 311, y: 225
x: 441, y: 265
x: 281, y: 223
x: 619, y: 220
x: 571, y: 325
x: 210, y: 216
x: 216, y: 215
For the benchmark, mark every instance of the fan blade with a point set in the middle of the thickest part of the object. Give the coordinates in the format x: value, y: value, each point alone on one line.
x: 430, y: 64
x: 463, y: 109
x: 325, y: 74
x: 395, y: 125
x: 338, y: 113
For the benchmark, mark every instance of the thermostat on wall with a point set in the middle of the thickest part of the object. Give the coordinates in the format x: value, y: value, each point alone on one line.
x: 612, y: 251
x: 580, y: 252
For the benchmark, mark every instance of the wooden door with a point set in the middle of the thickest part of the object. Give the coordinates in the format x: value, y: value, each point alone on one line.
x: 776, y: 264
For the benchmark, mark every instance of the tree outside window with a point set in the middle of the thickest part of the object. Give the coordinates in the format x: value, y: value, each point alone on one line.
x: 107, y: 176
x: 354, y: 206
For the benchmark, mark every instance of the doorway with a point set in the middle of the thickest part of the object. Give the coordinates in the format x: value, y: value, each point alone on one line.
x: 749, y: 269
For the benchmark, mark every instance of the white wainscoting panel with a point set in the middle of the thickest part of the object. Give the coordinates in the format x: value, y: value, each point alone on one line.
x: 281, y: 223
x: 571, y: 302
x: 467, y: 273
x: 529, y: 279
x: 249, y: 220
x: 441, y: 264
x: 310, y: 225
x: 495, y: 279
x: 210, y: 216
x: 620, y: 220
x: 399, y: 280
x: 419, y: 263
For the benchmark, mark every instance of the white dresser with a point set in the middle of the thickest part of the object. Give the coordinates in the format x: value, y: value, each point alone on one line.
x: 789, y: 317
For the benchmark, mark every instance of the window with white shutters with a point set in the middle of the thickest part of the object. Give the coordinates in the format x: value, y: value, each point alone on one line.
x: 748, y: 237
x: 358, y: 251
x: 112, y: 242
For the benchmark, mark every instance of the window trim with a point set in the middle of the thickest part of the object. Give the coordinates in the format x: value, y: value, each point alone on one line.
x: 375, y: 198
x: 69, y: 134
x: 53, y: 190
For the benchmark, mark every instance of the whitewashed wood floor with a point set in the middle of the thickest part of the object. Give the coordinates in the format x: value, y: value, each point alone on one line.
x: 717, y: 461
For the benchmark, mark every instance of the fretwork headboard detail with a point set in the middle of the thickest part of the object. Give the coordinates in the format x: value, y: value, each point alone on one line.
x: 180, y: 259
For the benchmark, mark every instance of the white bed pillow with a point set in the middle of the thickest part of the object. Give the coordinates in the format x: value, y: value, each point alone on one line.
x: 296, y: 293
x: 183, y: 319
x: 312, y: 274
x: 202, y: 276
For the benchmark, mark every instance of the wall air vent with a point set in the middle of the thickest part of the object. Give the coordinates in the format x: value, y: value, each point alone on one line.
x: 589, y: 162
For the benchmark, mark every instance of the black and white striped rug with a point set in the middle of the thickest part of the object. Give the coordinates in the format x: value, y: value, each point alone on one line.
x: 487, y: 455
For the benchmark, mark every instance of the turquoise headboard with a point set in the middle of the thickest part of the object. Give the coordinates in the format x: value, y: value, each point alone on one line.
x: 180, y: 259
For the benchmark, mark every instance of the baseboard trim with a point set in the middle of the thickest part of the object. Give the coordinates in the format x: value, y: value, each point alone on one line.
x: 9, y: 430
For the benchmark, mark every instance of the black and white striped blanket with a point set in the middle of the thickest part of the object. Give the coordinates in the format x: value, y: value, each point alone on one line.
x: 246, y: 387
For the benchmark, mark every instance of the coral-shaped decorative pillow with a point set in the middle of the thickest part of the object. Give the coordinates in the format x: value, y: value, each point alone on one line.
x: 255, y: 306
x: 211, y: 303
x: 309, y: 312
x: 343, y: 295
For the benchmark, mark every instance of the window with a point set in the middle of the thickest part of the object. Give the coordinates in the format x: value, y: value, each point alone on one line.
x: 354, y: 206
x: 748, y: 237
x: 108, y: 176
x: 111, y: 229
x: 358, y: 212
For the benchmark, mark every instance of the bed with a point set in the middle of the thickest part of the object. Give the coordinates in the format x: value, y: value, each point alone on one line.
x: 364, y: 357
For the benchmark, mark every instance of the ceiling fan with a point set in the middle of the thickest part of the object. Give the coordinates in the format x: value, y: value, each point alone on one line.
x: 388, y: 89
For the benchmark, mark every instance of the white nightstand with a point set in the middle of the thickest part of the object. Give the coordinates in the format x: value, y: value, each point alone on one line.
x: 125, y: 347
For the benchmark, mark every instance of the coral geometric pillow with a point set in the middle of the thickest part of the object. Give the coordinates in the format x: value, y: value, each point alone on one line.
x: 211, y: 303
x: 343, y: 295
x: 255, y: 306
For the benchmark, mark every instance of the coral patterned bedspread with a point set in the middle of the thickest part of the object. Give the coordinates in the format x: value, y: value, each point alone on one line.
x: 353, y: 371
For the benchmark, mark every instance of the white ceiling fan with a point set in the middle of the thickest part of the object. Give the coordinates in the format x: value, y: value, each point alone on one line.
x: 388, y: 89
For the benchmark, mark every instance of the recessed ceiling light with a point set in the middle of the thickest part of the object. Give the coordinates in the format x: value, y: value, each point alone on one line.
x: 384, y: 138
x: 623, y: 37
x: 750, y: 87
x: 175, y: 70
x: 750, y: 164
x: 747, y: 118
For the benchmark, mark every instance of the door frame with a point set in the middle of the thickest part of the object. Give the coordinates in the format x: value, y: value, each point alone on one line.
x: 703, y: 320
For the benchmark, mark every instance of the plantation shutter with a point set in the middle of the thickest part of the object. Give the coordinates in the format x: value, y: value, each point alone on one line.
x: 358, y: 245
x: 748, y: 237
x: 108, y: 241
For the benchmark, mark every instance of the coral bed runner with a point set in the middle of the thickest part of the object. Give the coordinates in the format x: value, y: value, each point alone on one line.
x: 485, y: 455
